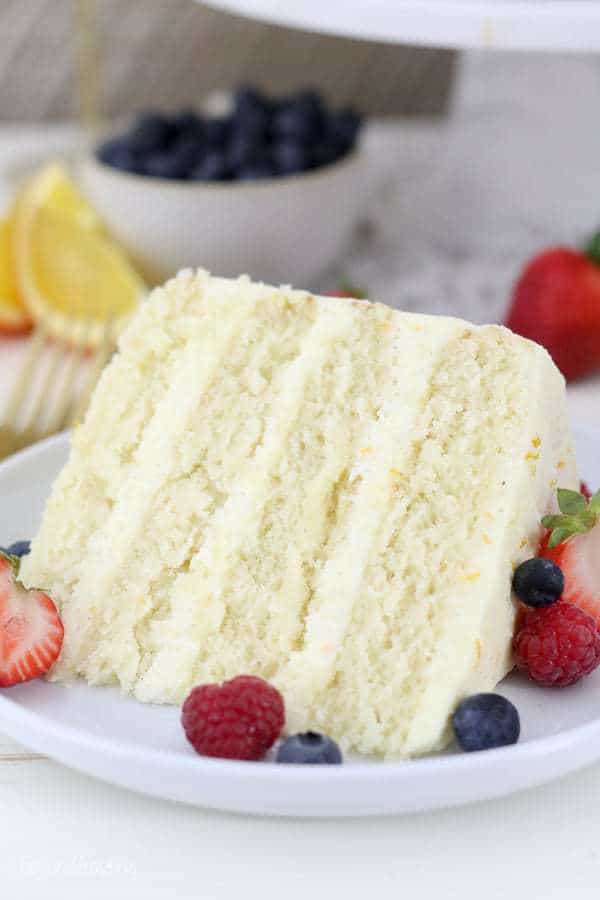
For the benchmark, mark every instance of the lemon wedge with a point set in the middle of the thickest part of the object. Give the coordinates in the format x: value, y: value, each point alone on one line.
x: 14, y: 318
x: 73, y: 279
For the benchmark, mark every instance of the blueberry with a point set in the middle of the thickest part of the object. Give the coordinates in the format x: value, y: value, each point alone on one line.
x: 290, y: 157
x: 188, y: 123
x: 212, y: 167
x: 291, y: 123
x: 344, y: 126
x: 160, y: 165
x: 243, y: 152
x: 117, y: 153
x: 484, y: 721
x: 150, y: 133
x: 299, y: 118
x: 311, y: 102
x: 538, y: 582
x: 255, y: 171
x: 251, y: 114
x: 253, y: 128
x: 177, y: 162
x: 309, y: 748
x: 247, y: 100
x: 19, y: 548
x: 325, y: 152
x: 188, y: 149
x: 217, y: 131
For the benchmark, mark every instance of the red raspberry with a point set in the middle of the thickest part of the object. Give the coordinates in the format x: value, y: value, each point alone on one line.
x: 584, y: 489
x: 239, y: 719
x: 557, y: 645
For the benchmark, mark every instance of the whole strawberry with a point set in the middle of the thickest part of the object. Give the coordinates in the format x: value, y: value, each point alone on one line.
x: 239, y: 719
x: 31, y: 632
x: 558, y: 645
x: 556, y: 302
x: 573, y: 543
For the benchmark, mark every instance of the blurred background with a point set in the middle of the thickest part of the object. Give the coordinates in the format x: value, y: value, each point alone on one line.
x: 425, y: 178
x: 169, y: 53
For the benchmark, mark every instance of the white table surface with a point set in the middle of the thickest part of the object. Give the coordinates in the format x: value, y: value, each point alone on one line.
x: 454, y: 211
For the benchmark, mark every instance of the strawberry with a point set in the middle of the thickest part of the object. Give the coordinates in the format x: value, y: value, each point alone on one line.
x: 573, y: 543
x: 31, y: 632
x: 348, y: 290
x: 556, y: 302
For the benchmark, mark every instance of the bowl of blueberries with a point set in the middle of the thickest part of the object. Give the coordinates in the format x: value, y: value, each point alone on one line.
x: 271, y: 187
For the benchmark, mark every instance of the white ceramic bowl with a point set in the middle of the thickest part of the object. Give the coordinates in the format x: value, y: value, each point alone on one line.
x: 285, y: 229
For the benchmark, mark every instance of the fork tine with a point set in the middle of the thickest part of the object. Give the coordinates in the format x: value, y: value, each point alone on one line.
x: 103, y: 353
x: 24, y: 379
x: 59, y: 418
x: 42, y: 401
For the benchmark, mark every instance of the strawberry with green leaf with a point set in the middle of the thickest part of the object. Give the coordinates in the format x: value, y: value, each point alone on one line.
x: 573, y: 543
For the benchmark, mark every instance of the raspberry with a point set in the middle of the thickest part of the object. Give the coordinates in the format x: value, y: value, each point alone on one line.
x: 557, y: 645
x: 239, y: 719
x: 584, y: 489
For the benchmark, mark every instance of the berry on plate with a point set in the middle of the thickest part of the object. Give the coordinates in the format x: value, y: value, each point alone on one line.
x: 557, y: 646
x: 18, y: 549
x: 31, y: 632
x: 556, y: 302
x: 309, y: 748
x: 573, y: 543
x: 485, y: 721
x: 538, y: 582
x: 239, y: 719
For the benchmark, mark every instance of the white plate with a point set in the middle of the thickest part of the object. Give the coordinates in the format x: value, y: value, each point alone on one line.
x: 98, y: 731
x: 487, y: 24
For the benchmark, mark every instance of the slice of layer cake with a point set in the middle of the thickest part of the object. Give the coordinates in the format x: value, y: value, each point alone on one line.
x: 324, y: 492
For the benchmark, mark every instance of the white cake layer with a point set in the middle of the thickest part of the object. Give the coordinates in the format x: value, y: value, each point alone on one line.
x: 324, y: 492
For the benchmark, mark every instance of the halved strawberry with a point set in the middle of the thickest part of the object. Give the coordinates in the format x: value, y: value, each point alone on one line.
x: 573, y: 543
x: 31, y: 632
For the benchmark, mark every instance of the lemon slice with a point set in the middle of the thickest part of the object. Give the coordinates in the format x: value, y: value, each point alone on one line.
x: 14, y: 318
x: 73, y: 278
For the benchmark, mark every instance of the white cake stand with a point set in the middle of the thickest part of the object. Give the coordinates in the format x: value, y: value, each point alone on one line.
x: 572, y: 25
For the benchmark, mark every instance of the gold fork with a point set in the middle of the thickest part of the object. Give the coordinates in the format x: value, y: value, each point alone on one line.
x: 53, y: 388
